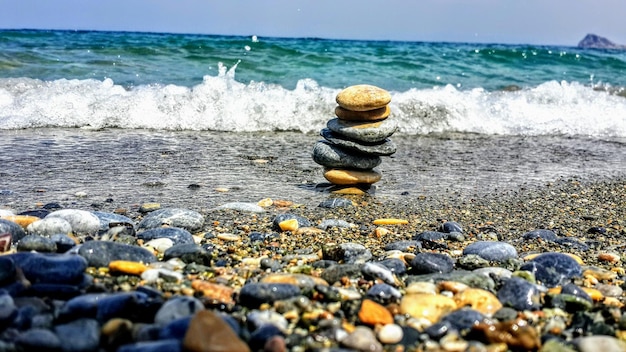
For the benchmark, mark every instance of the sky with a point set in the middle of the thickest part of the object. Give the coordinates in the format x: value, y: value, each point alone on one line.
x: 542, y: 22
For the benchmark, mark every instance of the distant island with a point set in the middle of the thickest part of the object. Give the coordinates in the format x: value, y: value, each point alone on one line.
x: 592, y: 41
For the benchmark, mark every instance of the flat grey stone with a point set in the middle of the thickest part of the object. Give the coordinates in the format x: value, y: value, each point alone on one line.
x: 332, y: 156
x: 384, y: 148
x: 368, y: 132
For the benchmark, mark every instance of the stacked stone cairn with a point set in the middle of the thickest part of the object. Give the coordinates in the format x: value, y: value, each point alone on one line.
x: 355, y: 140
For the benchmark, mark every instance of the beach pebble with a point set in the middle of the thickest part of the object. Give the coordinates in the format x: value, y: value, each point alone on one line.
x: 82, y: 221
x: 36, y: 243
x: 159, y: 244
x: 101, y: 253
x: 177, y: 307
x: 186, y: 219
x: 334, y: 273
x: 84, y: 334
x: 51, y: 268
x: 258, y: 318
x: 363, y: 97
x: 8, y: 310
x: 176, y: 234
x: 7, y: 270
x: 519, y: 294
x: 463, y: 318
x: 335, y: 203
x: 332, y: 156
x: 364, y: 132
x: 352, y: 177
x: 546, y: 235
x: 362, y: 339
x: 241, y: 206
x: 480, y: 300
x: 428, y: 263
x: 383, y: 148
x: 208, y: 332
x: 426, y: 306
x: 214, y: 292
x: 491, y: 250
x: 49, y: 226
x: 600, y: 343
x: 38, y: 339
x: 254, y: 294
x: 63, y: 242
x: 189, y: 253
x: 22, y: 220
x: 379, y: 271
x: 372, y: 313
x: 450, y: 226
x: 109, y: 219
x: 264, y: 336
x: 302, y: 222
x: 390, y: 334
x: 553, y: 269
x: 383, y: 293
x: 15, y: 231
x: 403, y: 246
x: 326, y: 223
x: 300, y: 280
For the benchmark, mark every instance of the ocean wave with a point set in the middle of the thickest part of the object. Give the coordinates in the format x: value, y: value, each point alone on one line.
x: 220, y: 103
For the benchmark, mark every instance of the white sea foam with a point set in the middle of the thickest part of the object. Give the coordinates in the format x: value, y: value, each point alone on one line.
x: 220, y: 103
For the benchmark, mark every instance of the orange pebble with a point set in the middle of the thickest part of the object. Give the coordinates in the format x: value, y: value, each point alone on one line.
x: 22, y: 220
x: 372, y: 313
x: 390, y: 221
x: 127, y: 267
x: 288, y: 225
x: 217, y: 292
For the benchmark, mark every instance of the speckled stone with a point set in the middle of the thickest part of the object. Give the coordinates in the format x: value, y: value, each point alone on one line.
x: 491, y: 250
x: 366, y: 132
x: 36, y: 243
x: 553, y: 269
x: 177, y: 235
x: 546, y: 235
x: 332, y: 156
x: 519, y: 294
x: 50, y: 226
x: 363, y: 97
x: 428, y: 263
x: 187, y: 219
x: 385, y: 147
x: 241, y: 206
x: 82, y: 221
x: 335, y: 203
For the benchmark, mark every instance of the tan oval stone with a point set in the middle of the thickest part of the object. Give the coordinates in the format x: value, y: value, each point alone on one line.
x: 352, y: 177
x: 215, y: 292
x: 363, y: 97
x: 428, y: 306
x: 371, y: 115
x: 480, y: 300
x: 349, y: 190
x: 209, y: 332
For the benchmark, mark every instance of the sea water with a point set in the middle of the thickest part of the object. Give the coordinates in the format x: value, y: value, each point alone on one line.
x: 496, y: 115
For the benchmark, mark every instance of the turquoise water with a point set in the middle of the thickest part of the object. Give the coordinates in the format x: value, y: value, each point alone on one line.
x: 242, y: 84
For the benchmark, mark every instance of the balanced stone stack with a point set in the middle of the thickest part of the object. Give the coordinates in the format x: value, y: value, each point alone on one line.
x: 355, y: 140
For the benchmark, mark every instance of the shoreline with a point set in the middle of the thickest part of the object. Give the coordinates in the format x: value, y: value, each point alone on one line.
x: 324, y: 278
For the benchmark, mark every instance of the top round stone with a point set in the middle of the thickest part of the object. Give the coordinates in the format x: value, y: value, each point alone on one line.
x: 363, y: 97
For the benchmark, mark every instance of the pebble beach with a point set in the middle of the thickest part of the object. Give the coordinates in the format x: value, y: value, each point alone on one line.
x: 529, y: 267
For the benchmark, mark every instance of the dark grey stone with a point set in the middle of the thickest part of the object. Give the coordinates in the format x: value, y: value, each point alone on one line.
x: 189, y: 253
x: 332, y: 156
x: 252, y: 295
x: 36, y: 243
x: 429, y: 263
x: 176, y: 308
x: 553, y: 269
x: 101, y: 253
x: 519, y: 294
x: 80, y: 335
x: 176, y: 234
x: 384, y: 148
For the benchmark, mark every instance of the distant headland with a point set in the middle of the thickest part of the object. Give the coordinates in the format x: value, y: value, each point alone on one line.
x: 592, y: 41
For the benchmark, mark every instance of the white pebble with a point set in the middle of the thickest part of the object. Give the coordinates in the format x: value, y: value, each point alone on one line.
x: 390, y: 334
x: 159, y: 244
